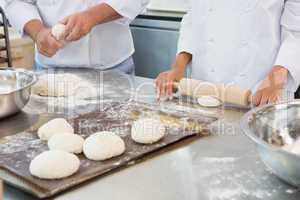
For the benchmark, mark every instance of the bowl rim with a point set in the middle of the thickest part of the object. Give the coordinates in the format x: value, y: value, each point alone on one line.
x: 20, y: 70
x: 244, y: 125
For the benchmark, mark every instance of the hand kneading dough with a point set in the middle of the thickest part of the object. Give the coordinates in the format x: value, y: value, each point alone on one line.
x: 54, y: 165
x: 55, y: 126
x: 103, y: 145
x: 58, y: 85
x: 58, y: 31
x: 147, y: 131
x: 208, y: 101
x: 71, y: 143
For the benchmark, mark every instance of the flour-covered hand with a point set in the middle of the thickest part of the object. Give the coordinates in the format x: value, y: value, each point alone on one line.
x: 78, y: 25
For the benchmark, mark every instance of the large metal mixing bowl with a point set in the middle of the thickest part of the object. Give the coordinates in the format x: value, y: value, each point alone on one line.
x: 268, y: 124
x: 15, y: 90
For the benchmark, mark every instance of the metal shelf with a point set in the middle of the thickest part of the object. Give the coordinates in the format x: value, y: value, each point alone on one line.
x: 5, y: 36
x: 3, y: 60
x: 2, y: 48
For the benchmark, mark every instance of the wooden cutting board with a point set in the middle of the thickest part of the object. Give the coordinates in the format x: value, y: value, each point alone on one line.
x: 17, y: 151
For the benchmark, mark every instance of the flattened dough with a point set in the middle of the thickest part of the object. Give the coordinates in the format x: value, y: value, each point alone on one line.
x: 71, y: 143
x: 208, y: 101
x: 103, y: 145
x: 59, y: 85
x: 147, y: 131
x: 55, y: 126
x: 54, y: 165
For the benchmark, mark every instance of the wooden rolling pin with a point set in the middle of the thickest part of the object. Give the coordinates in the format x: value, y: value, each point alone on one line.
x: 227, y: 94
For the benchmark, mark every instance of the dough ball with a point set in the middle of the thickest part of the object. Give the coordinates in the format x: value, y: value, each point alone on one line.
x: 147, y: 131
x: 54, y: 165
x: 103, y: 146
x: 55, y: 126
x: 71, y: 143
x: 58, y: 85
x: 58, y: 31
x: 209, y: 101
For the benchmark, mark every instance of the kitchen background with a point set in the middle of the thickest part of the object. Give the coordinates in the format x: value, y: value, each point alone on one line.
x: 155, y: 34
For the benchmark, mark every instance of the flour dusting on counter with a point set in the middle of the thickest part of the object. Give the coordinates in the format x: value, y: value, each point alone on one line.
x: 219, y: 160
x: 226, y: 181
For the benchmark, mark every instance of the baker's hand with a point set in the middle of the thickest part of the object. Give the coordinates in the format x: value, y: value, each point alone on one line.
x: 47, y: 45
x: 271, y: 88
x: 78, y: 25
x: 165, y: 82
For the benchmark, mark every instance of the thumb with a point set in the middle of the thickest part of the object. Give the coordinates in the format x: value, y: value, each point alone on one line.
x: 64, y: 21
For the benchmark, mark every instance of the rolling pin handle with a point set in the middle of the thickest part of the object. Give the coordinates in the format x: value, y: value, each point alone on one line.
x: 176, y: 85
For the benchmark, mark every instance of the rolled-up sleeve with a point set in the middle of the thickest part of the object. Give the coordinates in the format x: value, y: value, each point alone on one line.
x: 185, y: 41
x: 20, y: 12
x: 289, y: 52
x: 128, y: 9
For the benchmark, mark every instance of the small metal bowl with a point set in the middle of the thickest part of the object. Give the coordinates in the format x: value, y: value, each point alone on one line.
x: 15, y: 90
x: 266, y: 126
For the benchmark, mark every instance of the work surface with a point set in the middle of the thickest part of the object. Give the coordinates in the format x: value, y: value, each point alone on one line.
x: 222, y: 166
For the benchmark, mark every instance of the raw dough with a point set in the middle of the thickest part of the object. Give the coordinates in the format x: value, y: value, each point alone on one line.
x: 71, y: 143
x: 54, y: 165
x: 59, y: 85
x: 55, y: 126
x: 147, y: 131
x: 208, y: 101
x: 58, y: 31
x: 103, y: 146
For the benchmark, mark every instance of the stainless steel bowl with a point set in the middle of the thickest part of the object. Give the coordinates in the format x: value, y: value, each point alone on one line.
x: 266, y: 124
x: 15, y: 90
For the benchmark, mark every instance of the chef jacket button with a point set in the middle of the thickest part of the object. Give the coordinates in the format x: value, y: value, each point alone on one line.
x: 210, y: 9
x: 211, y: 40
x: 212, y: 70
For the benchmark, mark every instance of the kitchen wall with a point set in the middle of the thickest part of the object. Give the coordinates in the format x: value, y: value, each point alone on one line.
x: 169, y: 5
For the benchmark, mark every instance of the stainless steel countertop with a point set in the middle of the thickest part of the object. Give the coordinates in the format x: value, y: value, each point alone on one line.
x: 222, y: 166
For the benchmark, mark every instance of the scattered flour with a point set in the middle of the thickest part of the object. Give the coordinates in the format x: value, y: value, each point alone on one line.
x: 224, y: 179
x: 292, y: 191
x: 21, y: 142
x: 219, y: 160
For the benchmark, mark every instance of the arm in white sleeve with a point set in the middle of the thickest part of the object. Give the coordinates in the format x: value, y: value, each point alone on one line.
x: 128, y: 9
x: 19, y: 13
x: 185, y: 42
x: 289, y: 52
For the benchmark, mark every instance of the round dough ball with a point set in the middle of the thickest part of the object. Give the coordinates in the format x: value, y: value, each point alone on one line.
x: 71, y: 143
x: 55, y: 126
x: 58, y: 85
x: 58, y: 31
x: 147, y: 131
x: 54, y: 165
x: 209, y: 101
x: 103, y: 145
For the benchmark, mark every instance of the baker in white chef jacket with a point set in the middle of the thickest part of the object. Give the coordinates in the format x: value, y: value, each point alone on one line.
x: 97, y: 36
x: 254, y: 44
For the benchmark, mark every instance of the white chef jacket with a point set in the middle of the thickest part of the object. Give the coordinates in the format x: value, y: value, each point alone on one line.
x: 106, y: 46
x: 239, y: 41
